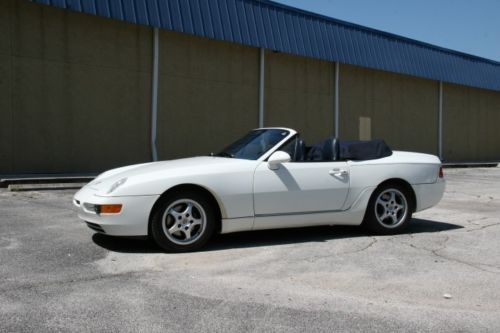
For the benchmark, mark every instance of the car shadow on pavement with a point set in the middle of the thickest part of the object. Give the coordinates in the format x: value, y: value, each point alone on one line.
x: 125, y: 244
x: 313, y: 234
x: 267, y: 237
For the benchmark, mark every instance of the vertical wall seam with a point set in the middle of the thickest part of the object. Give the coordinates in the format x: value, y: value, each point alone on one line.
x: 336, y: 98
x: 154, y: 94
x: 261, y: 86
x: 11, y: 85
x: 440, y: 121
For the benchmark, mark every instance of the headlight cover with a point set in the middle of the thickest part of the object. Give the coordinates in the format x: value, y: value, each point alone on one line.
x: 117, y: 184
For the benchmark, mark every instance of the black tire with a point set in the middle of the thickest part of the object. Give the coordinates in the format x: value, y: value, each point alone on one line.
x: 178, y: 203
x: 383, y: 215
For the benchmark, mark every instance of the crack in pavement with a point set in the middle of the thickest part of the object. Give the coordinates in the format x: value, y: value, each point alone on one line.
x: 364, y: 248
x: 71, y: 281
x: 434, y: 252
x: 482, y: 227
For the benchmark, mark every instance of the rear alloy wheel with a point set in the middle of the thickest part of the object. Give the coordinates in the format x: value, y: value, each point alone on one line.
x: 183, y: 222
x: 389, y: 211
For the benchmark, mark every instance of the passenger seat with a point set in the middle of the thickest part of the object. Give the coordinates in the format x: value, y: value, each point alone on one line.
x: 327, y: 150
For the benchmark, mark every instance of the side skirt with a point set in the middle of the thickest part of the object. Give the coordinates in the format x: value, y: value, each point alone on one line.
x: 292, y: 221
x: 305, y: 220
x: 352, y: 216
x: 237, y: 224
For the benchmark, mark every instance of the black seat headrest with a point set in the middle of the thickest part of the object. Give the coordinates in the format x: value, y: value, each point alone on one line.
x: 330, y: 149
x: 327, y: 150
x: 300, y: 150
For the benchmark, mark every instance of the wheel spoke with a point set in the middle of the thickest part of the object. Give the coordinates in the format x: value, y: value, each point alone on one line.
x: 173, y: 229
x: 383, y: 216
x: 393, y: 196
x: 187, y: 232
x: 394, y: 218
x: 175, y: 214
x: 196, y: 222
x: 188, y: 209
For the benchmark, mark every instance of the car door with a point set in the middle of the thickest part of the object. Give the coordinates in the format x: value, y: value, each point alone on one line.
x: 300, y: 187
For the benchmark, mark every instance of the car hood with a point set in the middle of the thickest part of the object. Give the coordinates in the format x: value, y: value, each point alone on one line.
x: 160, y: 170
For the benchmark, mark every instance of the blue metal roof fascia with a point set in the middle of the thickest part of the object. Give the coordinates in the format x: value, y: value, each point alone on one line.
x: 263, y: 23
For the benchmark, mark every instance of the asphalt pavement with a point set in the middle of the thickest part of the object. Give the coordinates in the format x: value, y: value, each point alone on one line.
x: 442, y: 275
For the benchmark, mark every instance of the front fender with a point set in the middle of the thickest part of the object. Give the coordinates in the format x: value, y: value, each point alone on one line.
x: 233, y: 189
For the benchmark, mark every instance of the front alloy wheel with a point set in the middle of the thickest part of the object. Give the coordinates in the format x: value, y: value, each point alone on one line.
x: 183, y: 222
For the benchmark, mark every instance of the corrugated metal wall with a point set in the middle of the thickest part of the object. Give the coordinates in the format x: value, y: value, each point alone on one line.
x: 402, y: 110
x: 471, y: 124
x: 266, y: 24
x: 299, y: 94
x: 75, y: 96
x: 6, y: 78
x: 75, y: 91
x: 208, y: 94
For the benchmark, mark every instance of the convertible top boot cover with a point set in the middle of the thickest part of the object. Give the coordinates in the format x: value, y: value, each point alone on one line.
x: 364, y: 150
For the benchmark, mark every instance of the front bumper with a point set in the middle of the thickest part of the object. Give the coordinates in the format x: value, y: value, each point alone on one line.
x: 429, y: 195
x: 131, y: 221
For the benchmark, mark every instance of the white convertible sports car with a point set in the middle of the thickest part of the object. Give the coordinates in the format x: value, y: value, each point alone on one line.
x: 267, y: 179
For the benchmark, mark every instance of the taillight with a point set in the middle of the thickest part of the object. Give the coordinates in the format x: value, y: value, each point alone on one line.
x: 441, y: 173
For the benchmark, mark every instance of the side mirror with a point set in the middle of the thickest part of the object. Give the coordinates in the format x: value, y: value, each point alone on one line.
x: 277, y: 158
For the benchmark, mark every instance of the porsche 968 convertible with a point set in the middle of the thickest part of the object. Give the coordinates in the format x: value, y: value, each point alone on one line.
x: 267, y: 179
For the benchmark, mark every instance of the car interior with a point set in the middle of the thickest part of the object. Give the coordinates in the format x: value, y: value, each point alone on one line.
x: 327, y: 150
x: 332, y: 149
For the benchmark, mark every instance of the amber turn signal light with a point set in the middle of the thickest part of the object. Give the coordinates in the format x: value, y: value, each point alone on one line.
x: 110, y: 209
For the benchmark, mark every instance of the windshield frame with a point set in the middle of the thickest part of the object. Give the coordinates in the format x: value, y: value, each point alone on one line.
x: 270, y: 151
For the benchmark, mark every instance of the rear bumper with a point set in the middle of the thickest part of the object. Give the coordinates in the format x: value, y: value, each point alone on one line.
x: 429, y: 195
x: 131, y: 221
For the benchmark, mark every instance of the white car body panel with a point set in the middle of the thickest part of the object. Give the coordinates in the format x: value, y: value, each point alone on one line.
x: 132, y: 221
x: 229, y: 180
x: 251, y: 196
x: 291, y: 189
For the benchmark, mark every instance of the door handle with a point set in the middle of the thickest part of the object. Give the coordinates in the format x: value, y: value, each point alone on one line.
x: 338, y: 172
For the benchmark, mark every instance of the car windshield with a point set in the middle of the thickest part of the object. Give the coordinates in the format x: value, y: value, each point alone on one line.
x: 255, y: 144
